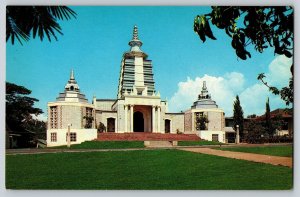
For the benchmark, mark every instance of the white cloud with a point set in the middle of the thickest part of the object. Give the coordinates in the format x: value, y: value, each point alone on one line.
x: 279, y: 71
x: 224, y: 89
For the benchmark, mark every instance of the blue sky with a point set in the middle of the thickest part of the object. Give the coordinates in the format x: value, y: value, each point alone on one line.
x: 94, y: 42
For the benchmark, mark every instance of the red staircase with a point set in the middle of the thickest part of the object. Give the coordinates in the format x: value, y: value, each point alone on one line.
x: 146, y: 136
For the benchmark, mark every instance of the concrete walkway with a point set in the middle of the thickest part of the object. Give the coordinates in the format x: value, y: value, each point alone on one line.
x: 42, y: 151
x: 273, y: 160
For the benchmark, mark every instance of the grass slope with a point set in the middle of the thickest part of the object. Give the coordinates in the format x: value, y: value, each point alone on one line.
x: 106, y: 145
x: 284, y: 151
x: 149, y: 169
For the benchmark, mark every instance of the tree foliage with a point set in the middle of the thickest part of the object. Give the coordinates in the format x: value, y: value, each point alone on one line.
x: 201, y: 122
x: 19, y: 107
x: 272, y: 124
x: 41, y: 21
x: 268, y: 124
x: 238, y: 116
x: 38, y: 127
x: 286, y: 93
x: 101, y: 127
x: 255, y: 131
x: 20, y: 112
x: 263, y: 27
x: 88, y: 121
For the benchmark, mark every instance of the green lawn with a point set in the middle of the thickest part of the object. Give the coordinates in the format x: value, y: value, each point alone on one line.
x: 148, y: 169
x: 106, y: 145
x: 129, y: 144
x: 198, y: 143
x: 284, y: 151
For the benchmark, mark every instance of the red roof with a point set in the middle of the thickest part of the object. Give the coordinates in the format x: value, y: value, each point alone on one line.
x: 284, y: 113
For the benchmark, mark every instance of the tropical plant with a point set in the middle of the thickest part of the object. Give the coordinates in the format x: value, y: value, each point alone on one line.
x: 101, y: 127
x: 41, y: 21
x: 201, y: 122
x: 88, y: 121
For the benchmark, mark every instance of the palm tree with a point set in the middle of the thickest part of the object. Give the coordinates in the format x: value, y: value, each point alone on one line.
x: 40, y: 20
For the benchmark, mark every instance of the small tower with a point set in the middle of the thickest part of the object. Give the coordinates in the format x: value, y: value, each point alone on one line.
x: 204, y: 99
x: 204, y: 92
x: 72, y: 84
x: 72, y: 91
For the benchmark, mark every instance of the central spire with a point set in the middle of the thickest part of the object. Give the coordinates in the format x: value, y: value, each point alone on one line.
x: 135, y: 43
x: 72, y: 75
x: 135, y: 33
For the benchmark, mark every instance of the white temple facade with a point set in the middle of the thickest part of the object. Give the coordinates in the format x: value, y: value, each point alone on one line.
x: 137, y: 108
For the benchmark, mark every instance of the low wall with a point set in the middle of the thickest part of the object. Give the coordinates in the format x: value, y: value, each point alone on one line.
x: 82, y: 135
x: 207, y: 135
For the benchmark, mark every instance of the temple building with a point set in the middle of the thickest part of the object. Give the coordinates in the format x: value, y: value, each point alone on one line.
x: 205, y: 118
x: 137, y: 107
x: 71, y: 109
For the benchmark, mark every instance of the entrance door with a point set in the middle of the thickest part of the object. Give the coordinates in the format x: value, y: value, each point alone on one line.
x: 167, y: 126
x: 110, y: 125
x: 138, y: 122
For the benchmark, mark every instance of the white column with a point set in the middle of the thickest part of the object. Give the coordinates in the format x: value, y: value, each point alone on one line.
x: 125, y: 118
x: 158, y: 119
x: 131, y: 118
x: 237, y: 134
x: 69, y: 136
x: 153, y: 119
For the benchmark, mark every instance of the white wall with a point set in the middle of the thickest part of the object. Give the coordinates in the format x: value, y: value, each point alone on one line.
x: 82, y: 135
x: 207, y: 135
x: 177, y: 122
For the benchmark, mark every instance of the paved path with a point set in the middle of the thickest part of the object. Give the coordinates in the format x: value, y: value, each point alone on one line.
x: 274, y: 160
x: 41, y: 151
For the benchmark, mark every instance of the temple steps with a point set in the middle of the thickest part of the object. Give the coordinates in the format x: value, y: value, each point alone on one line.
x: 146, y: 136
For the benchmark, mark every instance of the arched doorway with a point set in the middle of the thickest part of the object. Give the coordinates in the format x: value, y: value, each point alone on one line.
x: 167, y: 126
x: 110, y: 125
x: 138, y: 122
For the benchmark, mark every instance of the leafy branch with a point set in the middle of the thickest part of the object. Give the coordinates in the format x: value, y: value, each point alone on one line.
x: 286, y: 93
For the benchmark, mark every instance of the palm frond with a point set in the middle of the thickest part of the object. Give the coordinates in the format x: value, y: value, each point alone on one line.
x: 13, y: 31
x: 41, y: 20
x: 61, y: 12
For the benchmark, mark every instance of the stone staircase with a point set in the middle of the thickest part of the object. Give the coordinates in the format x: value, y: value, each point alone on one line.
x: 146, y: 136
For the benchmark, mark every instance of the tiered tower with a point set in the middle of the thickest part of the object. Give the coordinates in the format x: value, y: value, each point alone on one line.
x: 136, y: 76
